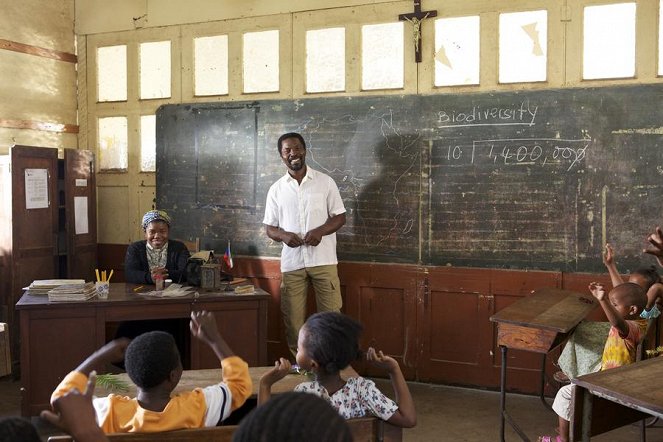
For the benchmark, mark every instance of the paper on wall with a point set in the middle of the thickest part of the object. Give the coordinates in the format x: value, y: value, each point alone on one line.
x: 80, y: 215
x: 36, y: 188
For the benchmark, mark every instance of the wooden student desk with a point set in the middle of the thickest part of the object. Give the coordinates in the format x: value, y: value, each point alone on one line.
x: 609, y: 399
x: 202, y: 378
x: 57, y: 337
x: 537, y: 323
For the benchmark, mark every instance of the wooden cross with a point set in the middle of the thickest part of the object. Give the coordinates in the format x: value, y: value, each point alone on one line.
x: 416, y: 18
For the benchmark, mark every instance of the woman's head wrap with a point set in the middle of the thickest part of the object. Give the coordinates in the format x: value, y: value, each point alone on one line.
x: 155, y: 215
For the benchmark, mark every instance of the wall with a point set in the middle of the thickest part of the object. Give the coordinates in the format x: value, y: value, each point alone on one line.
x: 124, y: 197
x: 38, y: 103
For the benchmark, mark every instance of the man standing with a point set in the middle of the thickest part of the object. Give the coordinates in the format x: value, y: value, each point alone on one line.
x: 303, y: 211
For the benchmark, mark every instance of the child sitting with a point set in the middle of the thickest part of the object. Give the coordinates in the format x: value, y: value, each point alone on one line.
x: 153, y: 364
x: 582, y: 353
x: 622, y: 306
x: 646, y: 277
x: 327, y: 343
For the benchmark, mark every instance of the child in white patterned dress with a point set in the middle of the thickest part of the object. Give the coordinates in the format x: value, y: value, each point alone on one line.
x: 328, y: 342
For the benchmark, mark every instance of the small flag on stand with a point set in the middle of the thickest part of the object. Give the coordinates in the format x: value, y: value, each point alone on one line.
x: 227, y: 257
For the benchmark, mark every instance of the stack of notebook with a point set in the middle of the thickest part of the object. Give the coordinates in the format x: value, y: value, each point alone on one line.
x: 72, y: 292
x: 42, y: 286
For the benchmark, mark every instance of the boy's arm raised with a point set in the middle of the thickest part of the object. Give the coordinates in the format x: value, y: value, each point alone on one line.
x: 609, y: 261
x: 235, y: 370
x: 615, y: 319
x: 406, y: 415
x: 77, y: 379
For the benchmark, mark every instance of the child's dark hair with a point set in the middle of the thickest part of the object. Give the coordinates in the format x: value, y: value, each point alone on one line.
x: 294, y: 417
x: 16, y: 429
x: 632, y: 294
x: 279, y: 143
x: 649, y: 273
x: 150, y: 358
x: 332, y: 340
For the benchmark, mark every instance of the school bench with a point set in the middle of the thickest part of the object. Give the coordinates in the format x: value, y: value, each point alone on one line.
x: 363, y: 429
x: 366, y: 429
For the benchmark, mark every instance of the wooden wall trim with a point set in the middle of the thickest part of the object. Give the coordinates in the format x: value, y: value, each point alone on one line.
x: 39, y: 125
x: 38, y: 51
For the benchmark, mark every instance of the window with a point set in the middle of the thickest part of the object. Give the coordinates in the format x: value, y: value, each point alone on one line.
x: 609, y: 41
x: 382, y: 56
x: 155, y: 70
x: 457, y: 51
x: 523, y: 46
x: 112, y: 73
x: 325, y: 60
x: 211, y: 65
x: 261, y: 61
x: 113, y: 143
x: 148, y: 143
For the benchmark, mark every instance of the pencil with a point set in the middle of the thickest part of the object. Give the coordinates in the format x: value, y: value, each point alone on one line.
x: 138, y: 288
x: 110, y: 276
x: 97, y: 272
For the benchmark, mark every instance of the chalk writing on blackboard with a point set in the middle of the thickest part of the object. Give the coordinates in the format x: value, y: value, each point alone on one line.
x: 521, y: 152
x: 521, y: 114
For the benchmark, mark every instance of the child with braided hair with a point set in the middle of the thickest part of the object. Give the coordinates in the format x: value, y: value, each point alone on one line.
x: 328, y: 342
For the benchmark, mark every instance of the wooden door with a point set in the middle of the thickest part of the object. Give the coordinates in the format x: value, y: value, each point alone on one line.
x: 453, y: 328
x: 81, y: 213
x: 35, y: 220
x: 383, y: 299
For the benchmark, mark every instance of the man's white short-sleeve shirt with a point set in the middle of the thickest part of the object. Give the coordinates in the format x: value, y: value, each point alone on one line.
x: 299, y: 208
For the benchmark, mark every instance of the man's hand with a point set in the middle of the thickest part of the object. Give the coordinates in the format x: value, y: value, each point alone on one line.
x: 313, y: 237
x: 656, y: 248
x: 608, y: 255
x: 75, y: 414
x: 291, y: 239
x: 598, y: 291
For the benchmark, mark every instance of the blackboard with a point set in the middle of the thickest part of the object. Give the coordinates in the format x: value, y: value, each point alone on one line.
x: 524, y: 180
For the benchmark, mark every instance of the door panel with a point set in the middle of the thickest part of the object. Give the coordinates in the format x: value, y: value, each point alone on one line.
x: 80, y: 182
x: 34, y: 231
x: 453, y: 327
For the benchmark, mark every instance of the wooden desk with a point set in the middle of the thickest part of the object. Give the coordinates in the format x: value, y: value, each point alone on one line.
x: 56, y: 337
x: 202, y: 378
x: 537, y: 323
x: 613, y: 398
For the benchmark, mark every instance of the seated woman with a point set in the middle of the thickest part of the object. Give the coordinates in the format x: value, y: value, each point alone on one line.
x: 156, y: 254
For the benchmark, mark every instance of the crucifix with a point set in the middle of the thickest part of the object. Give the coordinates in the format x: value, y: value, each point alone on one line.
x: 416, y: 18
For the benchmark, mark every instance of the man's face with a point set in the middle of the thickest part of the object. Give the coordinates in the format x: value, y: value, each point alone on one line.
x: 293, y: 154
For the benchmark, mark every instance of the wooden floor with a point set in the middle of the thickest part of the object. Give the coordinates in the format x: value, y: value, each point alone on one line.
x: 444, y: 414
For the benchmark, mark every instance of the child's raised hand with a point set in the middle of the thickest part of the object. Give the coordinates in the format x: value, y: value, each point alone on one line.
x: 608, y: 255
x: 598, y: 291
x: 381, y: 360
x: 656, y: 245
x: 280, y: 370
x: 114, y: 350
x: 203, y: 325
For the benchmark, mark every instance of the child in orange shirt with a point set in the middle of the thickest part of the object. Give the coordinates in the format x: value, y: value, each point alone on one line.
x: 622, y: 306
x: 153, y: 363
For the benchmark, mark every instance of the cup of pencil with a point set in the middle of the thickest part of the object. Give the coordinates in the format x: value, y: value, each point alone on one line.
x: 103, y: 284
